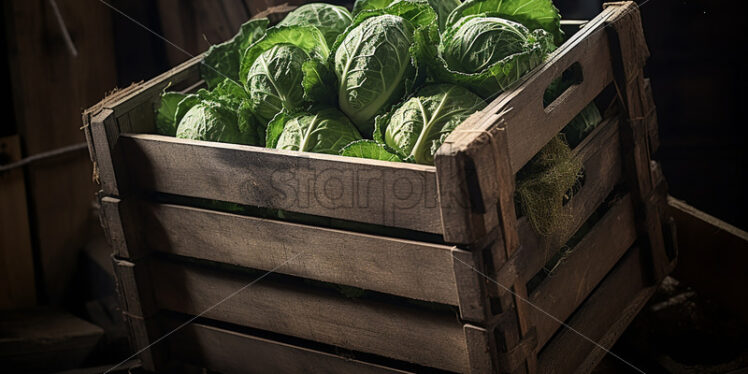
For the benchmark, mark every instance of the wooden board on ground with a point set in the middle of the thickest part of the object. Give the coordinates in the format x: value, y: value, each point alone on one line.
x: 17, y: 284
x: 712, y: 256
x: 45, y: 339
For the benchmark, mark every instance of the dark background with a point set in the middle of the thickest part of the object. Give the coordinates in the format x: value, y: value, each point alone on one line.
x: 696, y: 75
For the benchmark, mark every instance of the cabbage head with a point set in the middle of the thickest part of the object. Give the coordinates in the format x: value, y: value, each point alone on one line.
x: 477, y: 43
x: 212, y: 121
x: 222, y: 60
x: 533, y: 14
x: 332, y: 20
x: 220, y: 115
x: 274, y: 80
x: 486, y: 54
x: 442, y: 7
x: 373, y: 66
x: 325, y: 131
x: 165, y: 112
x: 417, y: 128
x: 273, y: 69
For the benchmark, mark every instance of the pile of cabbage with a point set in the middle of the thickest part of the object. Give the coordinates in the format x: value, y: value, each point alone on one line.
x: 389, y: 81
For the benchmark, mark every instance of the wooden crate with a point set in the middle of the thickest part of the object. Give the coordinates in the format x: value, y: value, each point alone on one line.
x: 446, y: 264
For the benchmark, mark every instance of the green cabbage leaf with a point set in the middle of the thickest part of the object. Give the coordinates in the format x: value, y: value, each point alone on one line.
x: 222, y: 60
x: 330, y: 19
x: 376, y: 60
x: 326, y: 130
x: 417, y: 128
x: 533, y: 14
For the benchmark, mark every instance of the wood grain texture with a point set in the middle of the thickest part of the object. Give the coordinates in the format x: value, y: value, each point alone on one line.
x: 17, y: 282
x: 529, y: 126
x: 629, y: 53
x: 105, y: 134
x: 601, y: 157
x: 712, y: 256
x: 410, y: 334
x: 602, y: 318
x: 50, y: 86
x: 468, y: 183
x: 361, y: 190
x: 479, y: 348
x: 122, y: 222
x: 401, y: 267
x: 143, y: 333
x: 470, y: 285
x: 134, y: 288
x: 587, y: 264
x: 230, y: 352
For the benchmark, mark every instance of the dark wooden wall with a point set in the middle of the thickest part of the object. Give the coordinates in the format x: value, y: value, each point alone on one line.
x: 50, y: 85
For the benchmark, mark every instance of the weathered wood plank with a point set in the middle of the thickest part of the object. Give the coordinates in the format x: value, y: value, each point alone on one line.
x: 410, y: 334
x: 401, y: 267
x: 134, y: 289
x: 105, y: 133
x: 653, y: 131
x: 712, y: 256
x: 479, y: 349
x: 120, y: 220
x: 127, y: 99
x: 17, y: 282
x: 470, y: 286
x: 590, y: 260
x: 600, y: 155
x: 368, y: 191
x: 602, y: 318
x: 529, y: 126
x: 629, y: 52
x: 468, y: 187
x: 229, y: 352
x: 143, y: 333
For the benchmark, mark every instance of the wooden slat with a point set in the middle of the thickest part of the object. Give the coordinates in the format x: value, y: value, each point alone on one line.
x: 143, y: 334
x: 470, y: 285
x: 653, y: 131
x: 712, y: 256
x: 602, y: 318
x: 119, y: 221
x: 529, y: 126
x: 590, y: 260
x: 125, y: 100
x: 410, y: 334
x: 134, y: 289
x: 629, y: 53
x: 17, y: 282
x: 401, y: 267
x: 479, y: 346
x: 229, y: 352
x: 601, y: 157
x: 105, y: 133
x: 467, y: 178
x: 361, y: 190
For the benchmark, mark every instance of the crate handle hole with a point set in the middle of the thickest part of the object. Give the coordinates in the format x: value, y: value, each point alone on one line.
x: 562, y: 86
